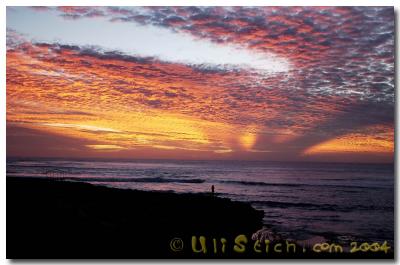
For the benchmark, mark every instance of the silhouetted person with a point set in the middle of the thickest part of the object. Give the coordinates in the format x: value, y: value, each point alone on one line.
x: 212, y: 189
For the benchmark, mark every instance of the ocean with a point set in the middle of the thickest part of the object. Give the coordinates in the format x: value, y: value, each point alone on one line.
x: 339, y: 202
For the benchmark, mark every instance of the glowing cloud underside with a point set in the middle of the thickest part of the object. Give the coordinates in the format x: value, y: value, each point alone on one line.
x: 356, y: 143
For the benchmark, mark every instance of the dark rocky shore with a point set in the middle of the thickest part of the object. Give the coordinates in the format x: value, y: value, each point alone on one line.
x: 59, y: 219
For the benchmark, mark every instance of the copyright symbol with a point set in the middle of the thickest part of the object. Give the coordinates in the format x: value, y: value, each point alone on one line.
x: 176, y: 244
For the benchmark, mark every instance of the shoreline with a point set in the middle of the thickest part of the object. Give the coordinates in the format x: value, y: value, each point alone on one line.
x: 47, y: 217
x: 62, y: 219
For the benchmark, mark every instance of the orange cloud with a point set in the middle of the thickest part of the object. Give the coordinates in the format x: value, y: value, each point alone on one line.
x: 117, y: 103
x: 379, y: 139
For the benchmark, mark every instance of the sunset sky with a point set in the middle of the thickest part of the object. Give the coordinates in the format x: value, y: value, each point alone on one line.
x: 262, y: 83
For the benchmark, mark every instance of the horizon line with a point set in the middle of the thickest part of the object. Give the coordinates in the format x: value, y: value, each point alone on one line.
x: 95, y: 159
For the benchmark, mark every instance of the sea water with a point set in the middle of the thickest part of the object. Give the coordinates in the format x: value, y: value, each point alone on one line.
x: 339, y: 202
